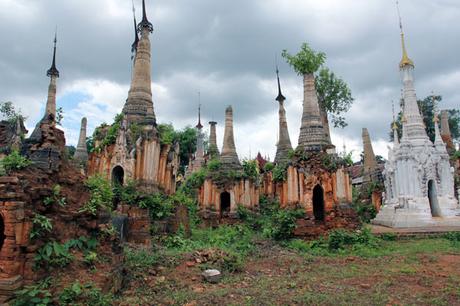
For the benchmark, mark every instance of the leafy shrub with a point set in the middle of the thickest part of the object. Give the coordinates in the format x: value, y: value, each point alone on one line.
x: 340, y: 239
x: 41, y: 224
x: 329, y: 162
x: 37, y: 294
x: 388, y: 236
x: 55, y: 197
x: 269, y: 166
x: 251, y: 169
x: 194, y: 181
x: 365, y: 211
x: 58, y: 254
x: 14, y: 161
x: 214, y: 164
x: 279, y: 173
x: 282, y: 224
x: 453, y: 237
x: 101, y: 195
x: 87, y: 294
x: 166, y: 133
x: 232, y: 262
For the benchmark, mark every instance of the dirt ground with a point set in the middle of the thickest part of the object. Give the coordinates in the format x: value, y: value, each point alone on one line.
x: 412, y: 272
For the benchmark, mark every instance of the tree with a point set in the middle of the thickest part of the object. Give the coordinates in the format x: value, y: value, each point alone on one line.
x: 306, y: 61
x: 9, y: 113
x: 427, y: 107
x: 334, y: 96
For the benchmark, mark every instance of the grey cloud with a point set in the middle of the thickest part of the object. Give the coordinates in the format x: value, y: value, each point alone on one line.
x: 226, y: 49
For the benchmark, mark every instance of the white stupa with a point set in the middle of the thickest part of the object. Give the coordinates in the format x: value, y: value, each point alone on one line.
x: 419, y: 180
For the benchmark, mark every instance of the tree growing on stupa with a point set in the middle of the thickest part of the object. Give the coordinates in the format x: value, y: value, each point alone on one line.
x: 332, y: 93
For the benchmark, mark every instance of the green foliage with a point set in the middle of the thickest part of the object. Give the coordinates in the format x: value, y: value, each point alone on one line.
x: 334, y: 96
x: 101, y: 195
x: 194, y: 181
x: 58, y: 254
x: 282, y: 224
x: 427, y: 109
x: 273, y: 222
x: 55, y: 197
x: 166, y: 133
x: 108, y: 137
x: 9, y: 113
x: 214, y: 165
x: 341, y: 239
x: 365, y: 211
x: 136, y: 130
x: 14, y: 161
x: 453, y: 237
x: 34, y: 295
x: 306, y: 61
x: 329, y: 162
x: 348, y: 159
x: 251, y: 169
x: 41, y: 224
x: 279, y: 173
x: 59, y: 115
x: 269, y: 166
x: 187, y: 144
x: 84, y: 294
x: 90, y: 146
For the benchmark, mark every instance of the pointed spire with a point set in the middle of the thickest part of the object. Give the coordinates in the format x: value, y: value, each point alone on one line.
x: 139, y: 105
x: 145, y: 23
x: 136, y: 35
x: 405, y: 61
x: 283, y: 145
x: 280, y: 98
x: 53, y: 72
x: 199, y: 125
x: 229, y: 157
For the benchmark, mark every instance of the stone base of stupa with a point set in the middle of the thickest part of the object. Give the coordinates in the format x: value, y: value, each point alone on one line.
x: 416, y: 212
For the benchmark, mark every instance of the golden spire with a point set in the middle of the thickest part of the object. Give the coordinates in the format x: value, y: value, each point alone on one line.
x: 405, y: 61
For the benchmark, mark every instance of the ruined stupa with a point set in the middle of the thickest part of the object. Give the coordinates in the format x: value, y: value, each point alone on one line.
x: 312, y: 136
x: 137, y: 152
x: 370, y: 167
x: 198, y: 159
x: 445, y: 131
x: 283, y: 147
x: 419, y: 180
x: 228, y: 156
x: 213, y: 151
x: 81, y: 153
x: 225, y: 186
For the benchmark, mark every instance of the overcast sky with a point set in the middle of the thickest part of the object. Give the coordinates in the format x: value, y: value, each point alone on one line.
x: 226, y: 50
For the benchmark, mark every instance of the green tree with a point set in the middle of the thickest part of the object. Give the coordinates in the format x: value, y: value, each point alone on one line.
x: 9, y: 112
x: 187, y: 142
x: 427, y: 109
x: 307, y: 61
x: 334, y: 96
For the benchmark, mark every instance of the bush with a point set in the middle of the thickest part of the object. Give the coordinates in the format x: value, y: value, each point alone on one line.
x: 58, y: 254
x: 55, y: 197
x: 37, y: 294
x: 214, y: 164
x: 14, y: 161
x: 282, y: 224
x: 279, y: 173
x: 453, y: 237
x: 101, y: 195
x: 340, y: 239
x: 87, y: 294
x: 269, y: 166
x: 41, y: 224
x: 251, y: 169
